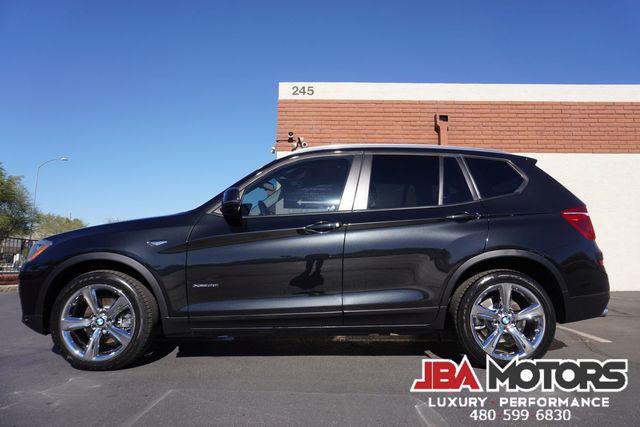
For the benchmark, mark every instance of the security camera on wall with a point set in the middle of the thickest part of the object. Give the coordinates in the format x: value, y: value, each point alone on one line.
x: 296, y: 142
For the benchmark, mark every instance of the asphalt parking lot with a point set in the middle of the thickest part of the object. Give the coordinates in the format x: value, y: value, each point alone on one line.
x: 310, y: 381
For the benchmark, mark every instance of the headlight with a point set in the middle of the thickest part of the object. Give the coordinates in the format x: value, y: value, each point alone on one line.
x: 37, y: 248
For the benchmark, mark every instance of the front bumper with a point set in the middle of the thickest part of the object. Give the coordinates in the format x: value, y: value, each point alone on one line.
x: 34, y: 322
x: 30, y: 298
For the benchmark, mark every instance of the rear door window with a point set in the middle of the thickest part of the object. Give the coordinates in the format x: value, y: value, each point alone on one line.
x: 454, y: 186
x: 494, y: 177
x: 403, y: 181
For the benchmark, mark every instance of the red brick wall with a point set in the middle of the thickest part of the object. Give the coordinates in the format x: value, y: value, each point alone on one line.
x: 9, y: 279
x: 512, y: 126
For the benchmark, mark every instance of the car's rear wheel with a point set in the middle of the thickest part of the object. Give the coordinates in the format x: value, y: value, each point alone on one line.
x: 503, y: 314
x: 103, y: 320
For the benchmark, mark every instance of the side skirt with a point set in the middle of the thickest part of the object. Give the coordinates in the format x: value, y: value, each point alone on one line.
x: 181, y: 327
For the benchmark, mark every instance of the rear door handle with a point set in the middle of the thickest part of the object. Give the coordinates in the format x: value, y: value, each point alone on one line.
x: 463, y: 216
x: 322, y: 227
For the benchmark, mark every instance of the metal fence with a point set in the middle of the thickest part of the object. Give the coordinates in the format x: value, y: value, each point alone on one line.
x: 13, y: 253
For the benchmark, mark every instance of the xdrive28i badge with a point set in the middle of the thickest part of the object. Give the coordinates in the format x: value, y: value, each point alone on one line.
x: 205, y: 285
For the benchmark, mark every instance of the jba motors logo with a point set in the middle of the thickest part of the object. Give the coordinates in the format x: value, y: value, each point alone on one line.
x: 582, y: 375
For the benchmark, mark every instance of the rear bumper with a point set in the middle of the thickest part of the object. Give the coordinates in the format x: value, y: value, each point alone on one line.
x: 585, y: 306
x: 586, y: 284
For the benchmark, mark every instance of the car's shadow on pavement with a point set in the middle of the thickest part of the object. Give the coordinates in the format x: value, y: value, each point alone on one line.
x: 432, y: 346
x: 315, y: 346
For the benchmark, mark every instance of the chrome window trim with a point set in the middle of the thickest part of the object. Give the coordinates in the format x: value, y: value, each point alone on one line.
x: 440, y: 180
x: 351, y: 185
x: 362, y: 192
x: 361, y: 180
x: 415, y: 207
x: 470, y: 181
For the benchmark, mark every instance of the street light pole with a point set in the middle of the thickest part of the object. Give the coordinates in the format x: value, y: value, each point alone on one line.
x: 35, y: 191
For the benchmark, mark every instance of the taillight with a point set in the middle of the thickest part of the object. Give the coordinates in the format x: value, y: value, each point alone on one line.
x: 580, y: 220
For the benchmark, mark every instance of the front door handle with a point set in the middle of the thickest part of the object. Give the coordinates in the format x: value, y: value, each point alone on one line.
x: 322, y: 227
x: 463, y: 217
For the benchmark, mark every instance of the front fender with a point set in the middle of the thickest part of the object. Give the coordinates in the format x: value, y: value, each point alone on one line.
x: 157, y: 290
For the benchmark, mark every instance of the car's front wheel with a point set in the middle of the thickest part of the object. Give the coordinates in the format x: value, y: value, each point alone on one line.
x: 502, y: 314
x: 103, y: 320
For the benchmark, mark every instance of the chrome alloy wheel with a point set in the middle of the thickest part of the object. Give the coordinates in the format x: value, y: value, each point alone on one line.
x: 507, y: 321
x: 97, y: 323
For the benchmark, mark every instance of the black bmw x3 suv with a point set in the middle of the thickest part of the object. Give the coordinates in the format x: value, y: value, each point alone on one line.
x: 354, y: 239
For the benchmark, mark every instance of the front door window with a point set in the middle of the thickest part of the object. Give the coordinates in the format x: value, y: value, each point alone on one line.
x: 307, y: 186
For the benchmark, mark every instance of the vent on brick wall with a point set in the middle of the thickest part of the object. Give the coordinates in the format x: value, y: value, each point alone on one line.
x: 441, y: 127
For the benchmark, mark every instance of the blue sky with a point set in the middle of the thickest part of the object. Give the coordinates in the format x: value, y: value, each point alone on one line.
x: 160, y: 105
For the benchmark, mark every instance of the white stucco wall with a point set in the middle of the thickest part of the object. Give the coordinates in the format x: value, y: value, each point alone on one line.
x: 609, y: 184
x: 459, y: 92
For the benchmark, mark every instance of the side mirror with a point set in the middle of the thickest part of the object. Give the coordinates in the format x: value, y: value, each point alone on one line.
x: 231, y: 202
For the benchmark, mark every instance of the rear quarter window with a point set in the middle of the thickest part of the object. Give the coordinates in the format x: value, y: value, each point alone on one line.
x: 494, y: 177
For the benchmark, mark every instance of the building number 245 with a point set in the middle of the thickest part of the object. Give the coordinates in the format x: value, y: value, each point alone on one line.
x: 302, y: 90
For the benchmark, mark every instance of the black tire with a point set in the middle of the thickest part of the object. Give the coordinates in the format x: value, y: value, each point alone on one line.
x: 142, y: 302
x: 465, y: 295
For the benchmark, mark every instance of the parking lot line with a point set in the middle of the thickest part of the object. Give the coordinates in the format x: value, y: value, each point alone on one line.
x: 135, y: 418
x: 585, y: 335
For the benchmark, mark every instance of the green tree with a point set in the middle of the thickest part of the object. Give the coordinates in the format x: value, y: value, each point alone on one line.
x: 15, y: 207
x: 50, y: 224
